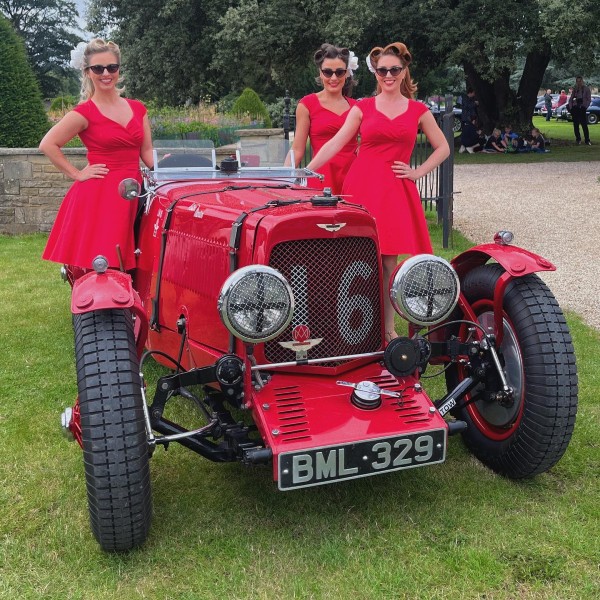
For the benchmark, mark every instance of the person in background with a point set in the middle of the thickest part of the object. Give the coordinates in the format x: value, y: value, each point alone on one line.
x: 580, y: 99
x: 381, y: 178
x: 469, y: 106
x: 93, y: 219
x: 319, y: 116
x: 508, y: 138
x: 470, y: 137
x: 537, y: 142
x: 562, y: 99
x: 548, y: 104
x: 494, y: 142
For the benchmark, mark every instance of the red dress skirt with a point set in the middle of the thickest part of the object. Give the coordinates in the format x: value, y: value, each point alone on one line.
x: 395, y: 203
x: 93, y: 218
x: 324, y: 124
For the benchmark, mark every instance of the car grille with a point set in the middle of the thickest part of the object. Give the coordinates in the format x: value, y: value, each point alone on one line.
x: 336, y: 288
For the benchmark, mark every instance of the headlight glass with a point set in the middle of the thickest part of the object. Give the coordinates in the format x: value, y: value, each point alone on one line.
x: 425, y: 289
x: 256, y: 303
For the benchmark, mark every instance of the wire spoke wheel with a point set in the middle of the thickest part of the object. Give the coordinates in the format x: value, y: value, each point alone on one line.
x: 529, y: 435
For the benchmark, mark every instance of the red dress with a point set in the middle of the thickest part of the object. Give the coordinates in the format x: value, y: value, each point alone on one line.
x: 324, y: 124
x: 395, y: 203
x: 93, y: 218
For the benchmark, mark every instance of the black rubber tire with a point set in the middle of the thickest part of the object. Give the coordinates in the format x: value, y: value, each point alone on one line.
x: 115, y: 448
x: 592, y: 118
x: 543, y: 356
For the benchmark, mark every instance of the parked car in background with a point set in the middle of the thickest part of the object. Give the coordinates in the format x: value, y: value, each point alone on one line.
x: 593, y: 111
x: 561, y: 112
x: 438, y: 110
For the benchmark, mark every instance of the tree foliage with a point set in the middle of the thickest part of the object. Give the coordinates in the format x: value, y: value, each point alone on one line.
x: 23, y: 120
x: 494, y: 40
x: 47, y: 28
x: 178, y: 50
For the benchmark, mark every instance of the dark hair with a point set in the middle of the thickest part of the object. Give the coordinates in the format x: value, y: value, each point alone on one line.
x: 408, y: 87
x: 331, y: 51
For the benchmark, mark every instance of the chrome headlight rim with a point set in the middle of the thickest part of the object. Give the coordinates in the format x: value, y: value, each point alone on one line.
x: 225, y: 308
x: 399, y: 281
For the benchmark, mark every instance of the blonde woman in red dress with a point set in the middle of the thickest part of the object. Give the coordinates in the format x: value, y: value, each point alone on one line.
x: 93, y: 219
x: 320, y: 116
x: 381, y: 177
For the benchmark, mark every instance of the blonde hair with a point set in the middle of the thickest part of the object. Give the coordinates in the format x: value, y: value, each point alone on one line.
x: 408, y: 87
x: 96, y: 46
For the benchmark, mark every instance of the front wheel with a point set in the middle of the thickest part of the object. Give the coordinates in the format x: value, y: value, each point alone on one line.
x: 529, y: 435
x: 115, y: 447
x: 592, y: 118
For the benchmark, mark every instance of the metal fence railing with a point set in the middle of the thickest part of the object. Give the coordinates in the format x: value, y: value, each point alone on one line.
x: 438, y: 186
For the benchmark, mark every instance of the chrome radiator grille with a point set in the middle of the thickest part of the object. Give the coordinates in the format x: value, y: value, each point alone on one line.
x: 336, y: 287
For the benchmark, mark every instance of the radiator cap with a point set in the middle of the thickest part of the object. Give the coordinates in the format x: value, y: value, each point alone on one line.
x: 326, y: 199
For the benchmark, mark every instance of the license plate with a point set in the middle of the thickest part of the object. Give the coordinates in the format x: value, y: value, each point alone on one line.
x: 318, y: 466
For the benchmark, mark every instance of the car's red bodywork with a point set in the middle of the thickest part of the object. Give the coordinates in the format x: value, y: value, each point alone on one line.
x: 304, y: 387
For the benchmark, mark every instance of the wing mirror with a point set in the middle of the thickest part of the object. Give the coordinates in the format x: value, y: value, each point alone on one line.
x: 130, y: 189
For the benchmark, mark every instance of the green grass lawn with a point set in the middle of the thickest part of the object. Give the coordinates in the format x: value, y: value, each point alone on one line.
x: 562, y: 146
x: 448, y: 531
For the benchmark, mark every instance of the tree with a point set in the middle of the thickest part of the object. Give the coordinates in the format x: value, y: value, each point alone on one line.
x: 47, y: 28
x: 494, y: 41
x: 167, y: 46
x: 177, y: 50
x: 23, y: 120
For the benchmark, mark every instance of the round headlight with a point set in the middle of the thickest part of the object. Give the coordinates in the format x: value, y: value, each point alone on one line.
x: 256, y: 303
x: 425, y: 289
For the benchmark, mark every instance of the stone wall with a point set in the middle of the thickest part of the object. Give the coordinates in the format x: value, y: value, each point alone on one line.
x: 32, y: 188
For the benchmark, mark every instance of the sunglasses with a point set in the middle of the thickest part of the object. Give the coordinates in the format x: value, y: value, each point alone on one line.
x: 331, y: 72
x: 99, y: 69
x: 393, y: 71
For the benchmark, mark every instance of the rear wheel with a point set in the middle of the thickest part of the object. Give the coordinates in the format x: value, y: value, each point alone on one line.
x: 115, y: 448
x: 592, y: 118
x: 530, y: 435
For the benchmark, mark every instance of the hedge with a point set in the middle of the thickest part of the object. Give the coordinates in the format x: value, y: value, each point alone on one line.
x: 23, y: 121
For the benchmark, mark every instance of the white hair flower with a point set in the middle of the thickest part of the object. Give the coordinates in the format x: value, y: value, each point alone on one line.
x: 77, y: 56
x: 352, y: 62
x: 369, y: 65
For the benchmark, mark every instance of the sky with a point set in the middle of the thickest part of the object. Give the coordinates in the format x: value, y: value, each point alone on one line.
x: 80, y: 4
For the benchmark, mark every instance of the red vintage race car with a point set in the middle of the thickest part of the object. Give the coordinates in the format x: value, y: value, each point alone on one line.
x: 263, y: 298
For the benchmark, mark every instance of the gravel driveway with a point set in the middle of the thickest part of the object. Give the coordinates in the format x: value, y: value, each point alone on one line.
x: 553, y: 209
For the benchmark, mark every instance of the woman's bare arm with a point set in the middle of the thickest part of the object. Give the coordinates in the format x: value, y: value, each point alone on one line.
x: 300, y: 135
x: 64, y: 131
x: 347, y: 131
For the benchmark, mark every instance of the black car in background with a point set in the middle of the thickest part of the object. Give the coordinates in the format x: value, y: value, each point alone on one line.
x: 438, y: 110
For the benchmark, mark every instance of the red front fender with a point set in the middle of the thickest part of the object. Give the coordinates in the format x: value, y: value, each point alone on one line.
x: 112, y: 289
x: 516, y: 261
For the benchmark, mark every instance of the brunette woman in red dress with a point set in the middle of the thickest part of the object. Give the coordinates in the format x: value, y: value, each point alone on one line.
x: 319, y: 116
x: 381, y: 177
x: 93, y: 219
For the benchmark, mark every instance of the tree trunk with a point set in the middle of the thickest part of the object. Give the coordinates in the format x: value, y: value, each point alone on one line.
x: 531, y: 81
x: 499, y: 105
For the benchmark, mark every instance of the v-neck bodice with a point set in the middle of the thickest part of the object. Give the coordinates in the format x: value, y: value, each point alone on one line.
x: 110, y: 142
